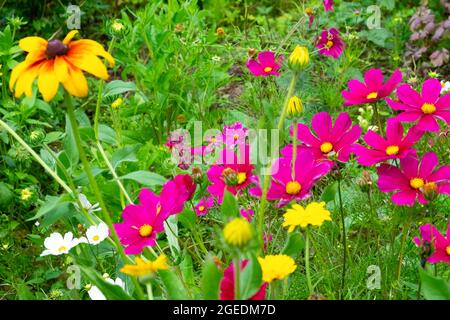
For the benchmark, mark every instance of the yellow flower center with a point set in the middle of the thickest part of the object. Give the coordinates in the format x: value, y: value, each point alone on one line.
x: 392, y: 150
x: 213, y: 140
x: 267, y: 69
x: 372, y: 95
x: 62, y: 249
x: 416, y: 183
x: 293, y: 187
x: 241, y: 177
x: 201, y: 208
x: 326, y: 147
x: 329, y: 44
x: 448, y: 250
x: 236, y: 136
x: 428, y: 108
x: 95, y: 238
x: 145, y: 230
x: 430, y: 187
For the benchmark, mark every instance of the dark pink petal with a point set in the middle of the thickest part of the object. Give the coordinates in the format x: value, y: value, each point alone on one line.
x: 389, y: 86
x: 391, y: 179
x: 409, y: 96
x: 396, y: 105
x: 343, y: 146
x: 412, y: 137
x: 394, y: 131
x: 431, y: 90
x: 443, y: 115
x: 410, y: 166
x: 367, y: 157
x: 444, y: 189
x: 266, y: 59
x: 444, y: 102
x: 374, y: 140
x: 322, y: 124
x: 441, y: 174
x: 428, y: 123
x: 373, y: 79
x: 255, y: 68
x: 341, y: 124
x: 429, y: 162
x: 404, y: 198
x: 409, y: 116
x: 305, y: 135
x: 357, y: 87
x: 439, y: 256
x: 351, y: 98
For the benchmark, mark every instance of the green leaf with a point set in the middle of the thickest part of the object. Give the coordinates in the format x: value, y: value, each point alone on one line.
x: 61, y: 210
x: 107, y: 134
x: 171, y: 227
x: 146, y: 178
x: 187, y: 218
x: 294, y: 244
x: 6, y: 195
x: 173, y: 285
x: 117, y: 87
x: 211, y: 277
x: 51, y: 203
x: 434, y: 288
x: 187, y: 269
x: 388, y: 4
x: 229, y: 207
x: 70, y: 146
x: 125, y: 154
x: 329, y: 194
x: 111, y: 291
x: 378, y: 36
x: 251, y: 278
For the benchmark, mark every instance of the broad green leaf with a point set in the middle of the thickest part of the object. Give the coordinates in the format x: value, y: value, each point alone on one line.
x: 211, y: 276
x: 187, y: 218
x: 111, y: 291
x: 171, y: 227
x: 107, y: 134
x: 187, y: 269
x: 6, y: 195
x: 117, y: 87
x: 173, y: 285
x: 61, y: 210
x: 146, y: 178
x: 294, y: 244
x: 229, y: 207
x: 51, y: 203
x: 250, y: 278
x: 329, y: 194
x: 125, y: 154
x: 434, y: 288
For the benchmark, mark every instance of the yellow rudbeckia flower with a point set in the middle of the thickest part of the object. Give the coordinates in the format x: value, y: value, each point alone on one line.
x: 314, y: 214
x: 142, y: 267
x: 53, y: 62
x: 276, y: 267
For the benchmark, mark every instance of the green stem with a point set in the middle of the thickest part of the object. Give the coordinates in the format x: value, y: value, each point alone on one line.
x: 36, y: 156
x: 344, y: 240
x: 149, y: 291
x: 237, y: 278
x: 402, y: 248
x: 307, y: 270
x: 94, y: 186
x: 378, y: 118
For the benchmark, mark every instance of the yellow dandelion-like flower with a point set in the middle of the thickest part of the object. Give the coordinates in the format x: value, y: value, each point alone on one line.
x: 220, y: 31
x: 314, y: 214
x: 276, y: 267
x: 25, y: 194
x: 237, y: 232
x: 295, y: 106
x: 117, y: 103
x: 53, y: 62
x: 299, y: 57
x: 142, y: 267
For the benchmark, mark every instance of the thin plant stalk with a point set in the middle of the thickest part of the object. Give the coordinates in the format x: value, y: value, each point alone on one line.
x: 237, y: 278
x: 307, y: 268
x: 344, y: 240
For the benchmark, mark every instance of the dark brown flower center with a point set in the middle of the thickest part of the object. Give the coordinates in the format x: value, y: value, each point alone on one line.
x: 55, y: 48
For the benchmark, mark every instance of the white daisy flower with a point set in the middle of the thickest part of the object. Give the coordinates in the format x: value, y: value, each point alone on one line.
x: 95, y: 293
x: 56, y: 244
x: 96, y: 234
x: 445, y: 87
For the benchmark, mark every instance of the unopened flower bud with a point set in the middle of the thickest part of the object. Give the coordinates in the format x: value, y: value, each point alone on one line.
x: 299, y: 58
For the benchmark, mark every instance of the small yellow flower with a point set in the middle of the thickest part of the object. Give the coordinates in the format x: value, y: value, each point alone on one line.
x: 142, y: 268
x: 117, y: 103
x: 117, y: 26
x: 220, y: 31
x: 295, y: 106
x: 299, y: 57
x: 237, y: 232
x: 314, y: 214
x: 25, y: 194
x: 276, y: 267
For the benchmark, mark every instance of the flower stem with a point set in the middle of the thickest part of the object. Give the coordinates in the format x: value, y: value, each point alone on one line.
x: 344, y: 241
x: 94, y: 186
x: 378, y: 118
x: 36, y: 156
x: 402, y: 249
x: 237, y: 278
x: 149, y: 291
x: 307, y: 270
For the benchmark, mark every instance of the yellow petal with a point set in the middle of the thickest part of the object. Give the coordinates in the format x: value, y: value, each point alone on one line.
x: 47, y: 82
x: 76, y: 83
x: 89, y: 63
x: 91, y: 46
x: 16, y: 72
x: 69, y: 36
x: 31, y: 44
x: 61, y: 68
x: 25, y: 81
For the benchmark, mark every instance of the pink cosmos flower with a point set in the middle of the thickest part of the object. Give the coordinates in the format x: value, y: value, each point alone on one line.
x: 227, y: 284
x: 288, y: 185
x: 330, y: 43
x: 232, y: 172
x: 426, y: 108
x: 141, y: 223
x: 201, y: 208
x: 266, y: 65
x: 234, y: 134
x: 393, y: 147
x: 329, y: 141
x: 372, y: 89
x: 328, y: 5
x: 247, y: 213
x: 414, y: 180
x: 175, y: 193
x: 440, y: 244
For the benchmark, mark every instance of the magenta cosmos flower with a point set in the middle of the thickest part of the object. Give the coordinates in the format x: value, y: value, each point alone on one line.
x: 330, y: 43
x: 426, y: 108
x: 175, y: 193
x: 231, y: 173
x: 202, y: 207
x: 440, y: 244
x: 414, y: 180
x: 141, y: 223
x: 330, y: 141
x: 266, y: 65
x: 227, y: 291
x: 393, y: 147
x: 328, y: 5
x: 288, y: 185
x: 372, y: 89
